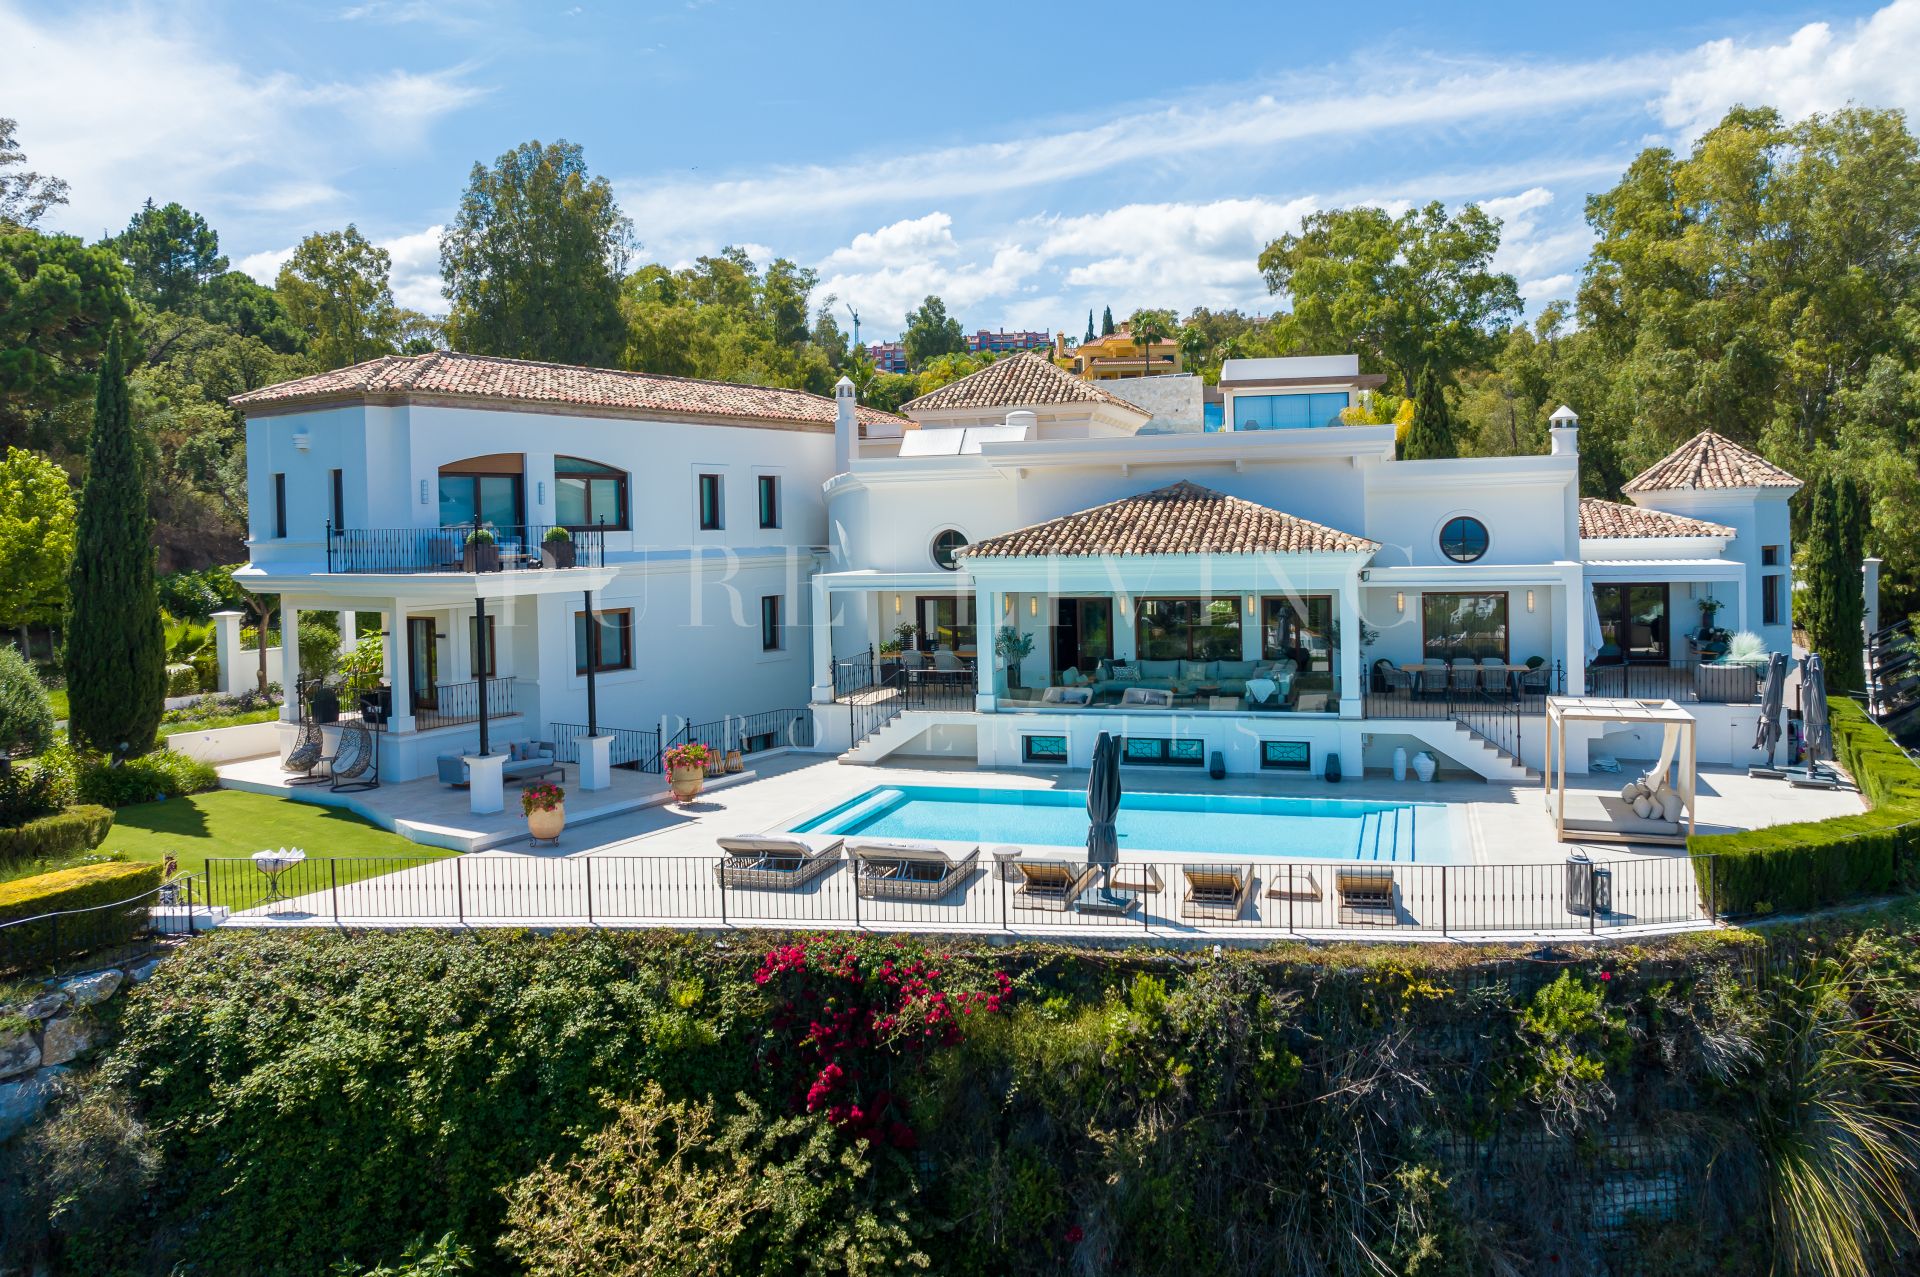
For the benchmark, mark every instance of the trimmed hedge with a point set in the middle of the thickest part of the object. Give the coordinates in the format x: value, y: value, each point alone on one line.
x: 1818, y: 863
x: 86, y: 888
x: 76, y: 829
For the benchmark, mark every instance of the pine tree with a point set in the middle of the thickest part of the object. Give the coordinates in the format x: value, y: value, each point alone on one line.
x: 116, y: 654
x: 1106, y: 322
x: 1431, y: 434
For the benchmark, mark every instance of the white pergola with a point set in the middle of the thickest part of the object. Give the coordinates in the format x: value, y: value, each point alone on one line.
x: 1604, y: 817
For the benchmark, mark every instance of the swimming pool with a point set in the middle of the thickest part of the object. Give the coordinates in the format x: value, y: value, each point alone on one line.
x: 1207, y: 824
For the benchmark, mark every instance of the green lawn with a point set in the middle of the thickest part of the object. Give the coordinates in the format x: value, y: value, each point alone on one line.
x: 57, y: 698
x: 230, y: 823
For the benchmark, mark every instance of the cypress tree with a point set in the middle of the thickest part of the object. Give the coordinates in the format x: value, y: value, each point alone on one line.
x: 1846, y: 671
x: 1431, y: 434
x: 116, y: 651
x: 1818, y: 600
x: 1106, y: 322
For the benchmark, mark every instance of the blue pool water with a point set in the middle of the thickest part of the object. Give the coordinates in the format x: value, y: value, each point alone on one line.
x: 1208, y: 824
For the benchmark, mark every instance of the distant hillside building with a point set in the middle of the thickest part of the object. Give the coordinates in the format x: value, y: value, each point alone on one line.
x: 1116, y: 355
x: 1002, y: 342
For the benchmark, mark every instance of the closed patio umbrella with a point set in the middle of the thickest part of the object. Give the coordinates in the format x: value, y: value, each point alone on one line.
x: 1813, y: 711
x: 1772, y: 693
x: 1103, y: 801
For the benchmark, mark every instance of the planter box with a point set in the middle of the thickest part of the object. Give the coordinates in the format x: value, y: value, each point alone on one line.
x: 557, y: 554
x: 477, y: 557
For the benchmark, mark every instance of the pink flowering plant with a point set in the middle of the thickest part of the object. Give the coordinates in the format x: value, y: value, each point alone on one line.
x: 544, y: 796
x: 849, y: 1022
x: 691, y: 754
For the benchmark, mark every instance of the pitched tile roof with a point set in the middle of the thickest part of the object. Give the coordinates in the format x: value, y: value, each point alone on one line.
x: 1709, y: 460
x: 1183, y: 518
x: 1613, y: 520
x: 446, y: 372
x: 1025, y: 380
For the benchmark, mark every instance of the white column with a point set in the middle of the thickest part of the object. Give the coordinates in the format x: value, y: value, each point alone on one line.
x: 485, y: 783
x: 986, y: 627
x: 1573, y: 600
x: 349, y: 621
x: 822, y: 603
x: 402, y: 716
x: 1352, y: 676
x: 226, y: 646
x: 596, y: 762
x: 289, y: 661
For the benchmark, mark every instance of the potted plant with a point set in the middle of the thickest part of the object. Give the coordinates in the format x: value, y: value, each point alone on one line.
x: 889, y: 660
x: 686, y: 767
x: 482, y: 551
x: 1012, y: 647
x: 557, y: 548
x: 545, y: 805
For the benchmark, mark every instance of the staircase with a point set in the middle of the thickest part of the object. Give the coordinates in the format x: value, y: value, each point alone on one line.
x: 1467, y: 747
x: 1387, y: 836
x: 889, y: 736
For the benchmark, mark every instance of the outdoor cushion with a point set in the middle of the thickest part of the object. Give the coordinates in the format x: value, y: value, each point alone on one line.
x: 1159, y: 669
x: 1193, y: 671
x: 1235, y: 669
x: 1070, y: 677
x: 1067, y: 696
x: 1671, y: 805
x: 1126, y: 674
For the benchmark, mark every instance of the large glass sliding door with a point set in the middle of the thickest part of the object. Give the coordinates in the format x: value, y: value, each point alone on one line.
x: 1469, y: 627
x: 1189, y: 629
x: 1082, y: 634
x: 946, y: 623
x: 1300, y: 628
x: 1634, y: 623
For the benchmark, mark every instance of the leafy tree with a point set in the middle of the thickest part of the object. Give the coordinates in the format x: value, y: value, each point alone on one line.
x: 58, y: 299
x: 1431, y: 434
x: 931, y: 332
x: 336, y: 291
x: 1148, y: 328
x: 36, y: 539
x: 172, y: 253
x: 533, y: 259
x: 1106, y: 321
x: 722, y: 318
x: 1406, y: 292
x: 235, y: 301
x: 26, y: 720
x: 116, y: 658
x: 25, y: 196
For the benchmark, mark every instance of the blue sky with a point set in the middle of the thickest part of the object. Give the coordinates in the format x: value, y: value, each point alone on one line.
x: 1026, y: 163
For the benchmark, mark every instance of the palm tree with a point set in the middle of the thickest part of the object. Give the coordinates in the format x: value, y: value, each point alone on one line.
x: 1148, y: 327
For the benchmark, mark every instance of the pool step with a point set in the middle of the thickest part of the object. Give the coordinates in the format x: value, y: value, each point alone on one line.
x: 1387, y: 835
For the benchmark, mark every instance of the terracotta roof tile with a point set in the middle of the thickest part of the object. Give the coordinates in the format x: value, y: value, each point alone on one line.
x: 1611, y: 520
x: 1708, y: 461
x: 1183, y: 518
x: 446, y: 372
x: 1025, y: 380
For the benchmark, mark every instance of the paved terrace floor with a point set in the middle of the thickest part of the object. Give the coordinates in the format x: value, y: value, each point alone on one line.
x: 654, y: 866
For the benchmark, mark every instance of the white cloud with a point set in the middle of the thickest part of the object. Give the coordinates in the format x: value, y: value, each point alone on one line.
x: 134, y: 102
x: 1814, y: 69
x: 1180, y: 255
x: 1538, y: 292
x: 290, y: 196
x: 265, y: 266
x: 415, y: 275
x: 917, y: 237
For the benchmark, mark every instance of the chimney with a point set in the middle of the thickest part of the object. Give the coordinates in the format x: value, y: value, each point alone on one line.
x: 846, y: 426
x: 1565, y: 432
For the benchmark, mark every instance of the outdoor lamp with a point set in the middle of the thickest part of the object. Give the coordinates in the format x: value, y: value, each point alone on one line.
x: 1529, y: 600
x: 1033, y: 605
x: 896, y: 605
x: 1399, y: 600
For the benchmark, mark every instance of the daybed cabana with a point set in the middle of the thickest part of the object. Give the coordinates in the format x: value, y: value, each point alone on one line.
x: 1656, y: 808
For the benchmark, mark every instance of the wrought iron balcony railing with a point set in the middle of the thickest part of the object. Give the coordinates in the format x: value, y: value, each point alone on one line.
x: 531, y: 547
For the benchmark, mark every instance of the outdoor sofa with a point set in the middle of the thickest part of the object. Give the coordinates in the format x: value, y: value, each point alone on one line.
x: 1185, y: 678
x: 526, y: 760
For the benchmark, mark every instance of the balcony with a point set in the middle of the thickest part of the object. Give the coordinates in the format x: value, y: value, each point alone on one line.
x: 412, y: 551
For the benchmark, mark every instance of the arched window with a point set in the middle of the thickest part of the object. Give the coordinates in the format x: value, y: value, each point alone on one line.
x: 945, y: 546
x: 1463, y: 539
x: 587, y: 494
x: 483, y: 490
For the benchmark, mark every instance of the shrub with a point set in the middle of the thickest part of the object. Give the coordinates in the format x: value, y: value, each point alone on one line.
x: 26, y: 720
x: 182, y: 680
x: 91, y: 778
x: 88, y: 888
x: 27, y: 794
x: 319, y: 648
x: 1816, y: 863
x: 62, y: 834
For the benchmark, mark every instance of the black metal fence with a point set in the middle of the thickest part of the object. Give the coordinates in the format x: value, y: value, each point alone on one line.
x: 457, y: 703
x: 520, y: 547
x: 1446, y: 692
x: 46, y: 939
x: 632, y: 748
x: 1160, y: 899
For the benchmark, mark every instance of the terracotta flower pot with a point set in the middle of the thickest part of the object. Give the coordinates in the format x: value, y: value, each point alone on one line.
x: 733, y: 761
x: 546, y: 825
x: 687, y: 782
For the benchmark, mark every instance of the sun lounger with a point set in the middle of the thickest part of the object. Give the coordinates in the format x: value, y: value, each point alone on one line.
x: 1366, y: 895
x: 775, y: 862
x: 1216, y: 892
x: 1051, y: 884
x: 1299, y: 884
x: 908, y: 870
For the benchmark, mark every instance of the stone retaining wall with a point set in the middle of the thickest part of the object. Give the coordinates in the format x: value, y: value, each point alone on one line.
x: 42, y: 1036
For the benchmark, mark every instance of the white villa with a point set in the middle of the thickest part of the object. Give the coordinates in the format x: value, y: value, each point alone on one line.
x: 1267, y: 591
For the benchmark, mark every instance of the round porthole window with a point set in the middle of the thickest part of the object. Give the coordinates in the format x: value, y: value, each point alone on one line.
x: 945, y: 546
x: 1463, y: 539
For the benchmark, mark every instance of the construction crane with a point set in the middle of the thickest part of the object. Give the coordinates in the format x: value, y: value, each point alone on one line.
x: 856, y: 326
